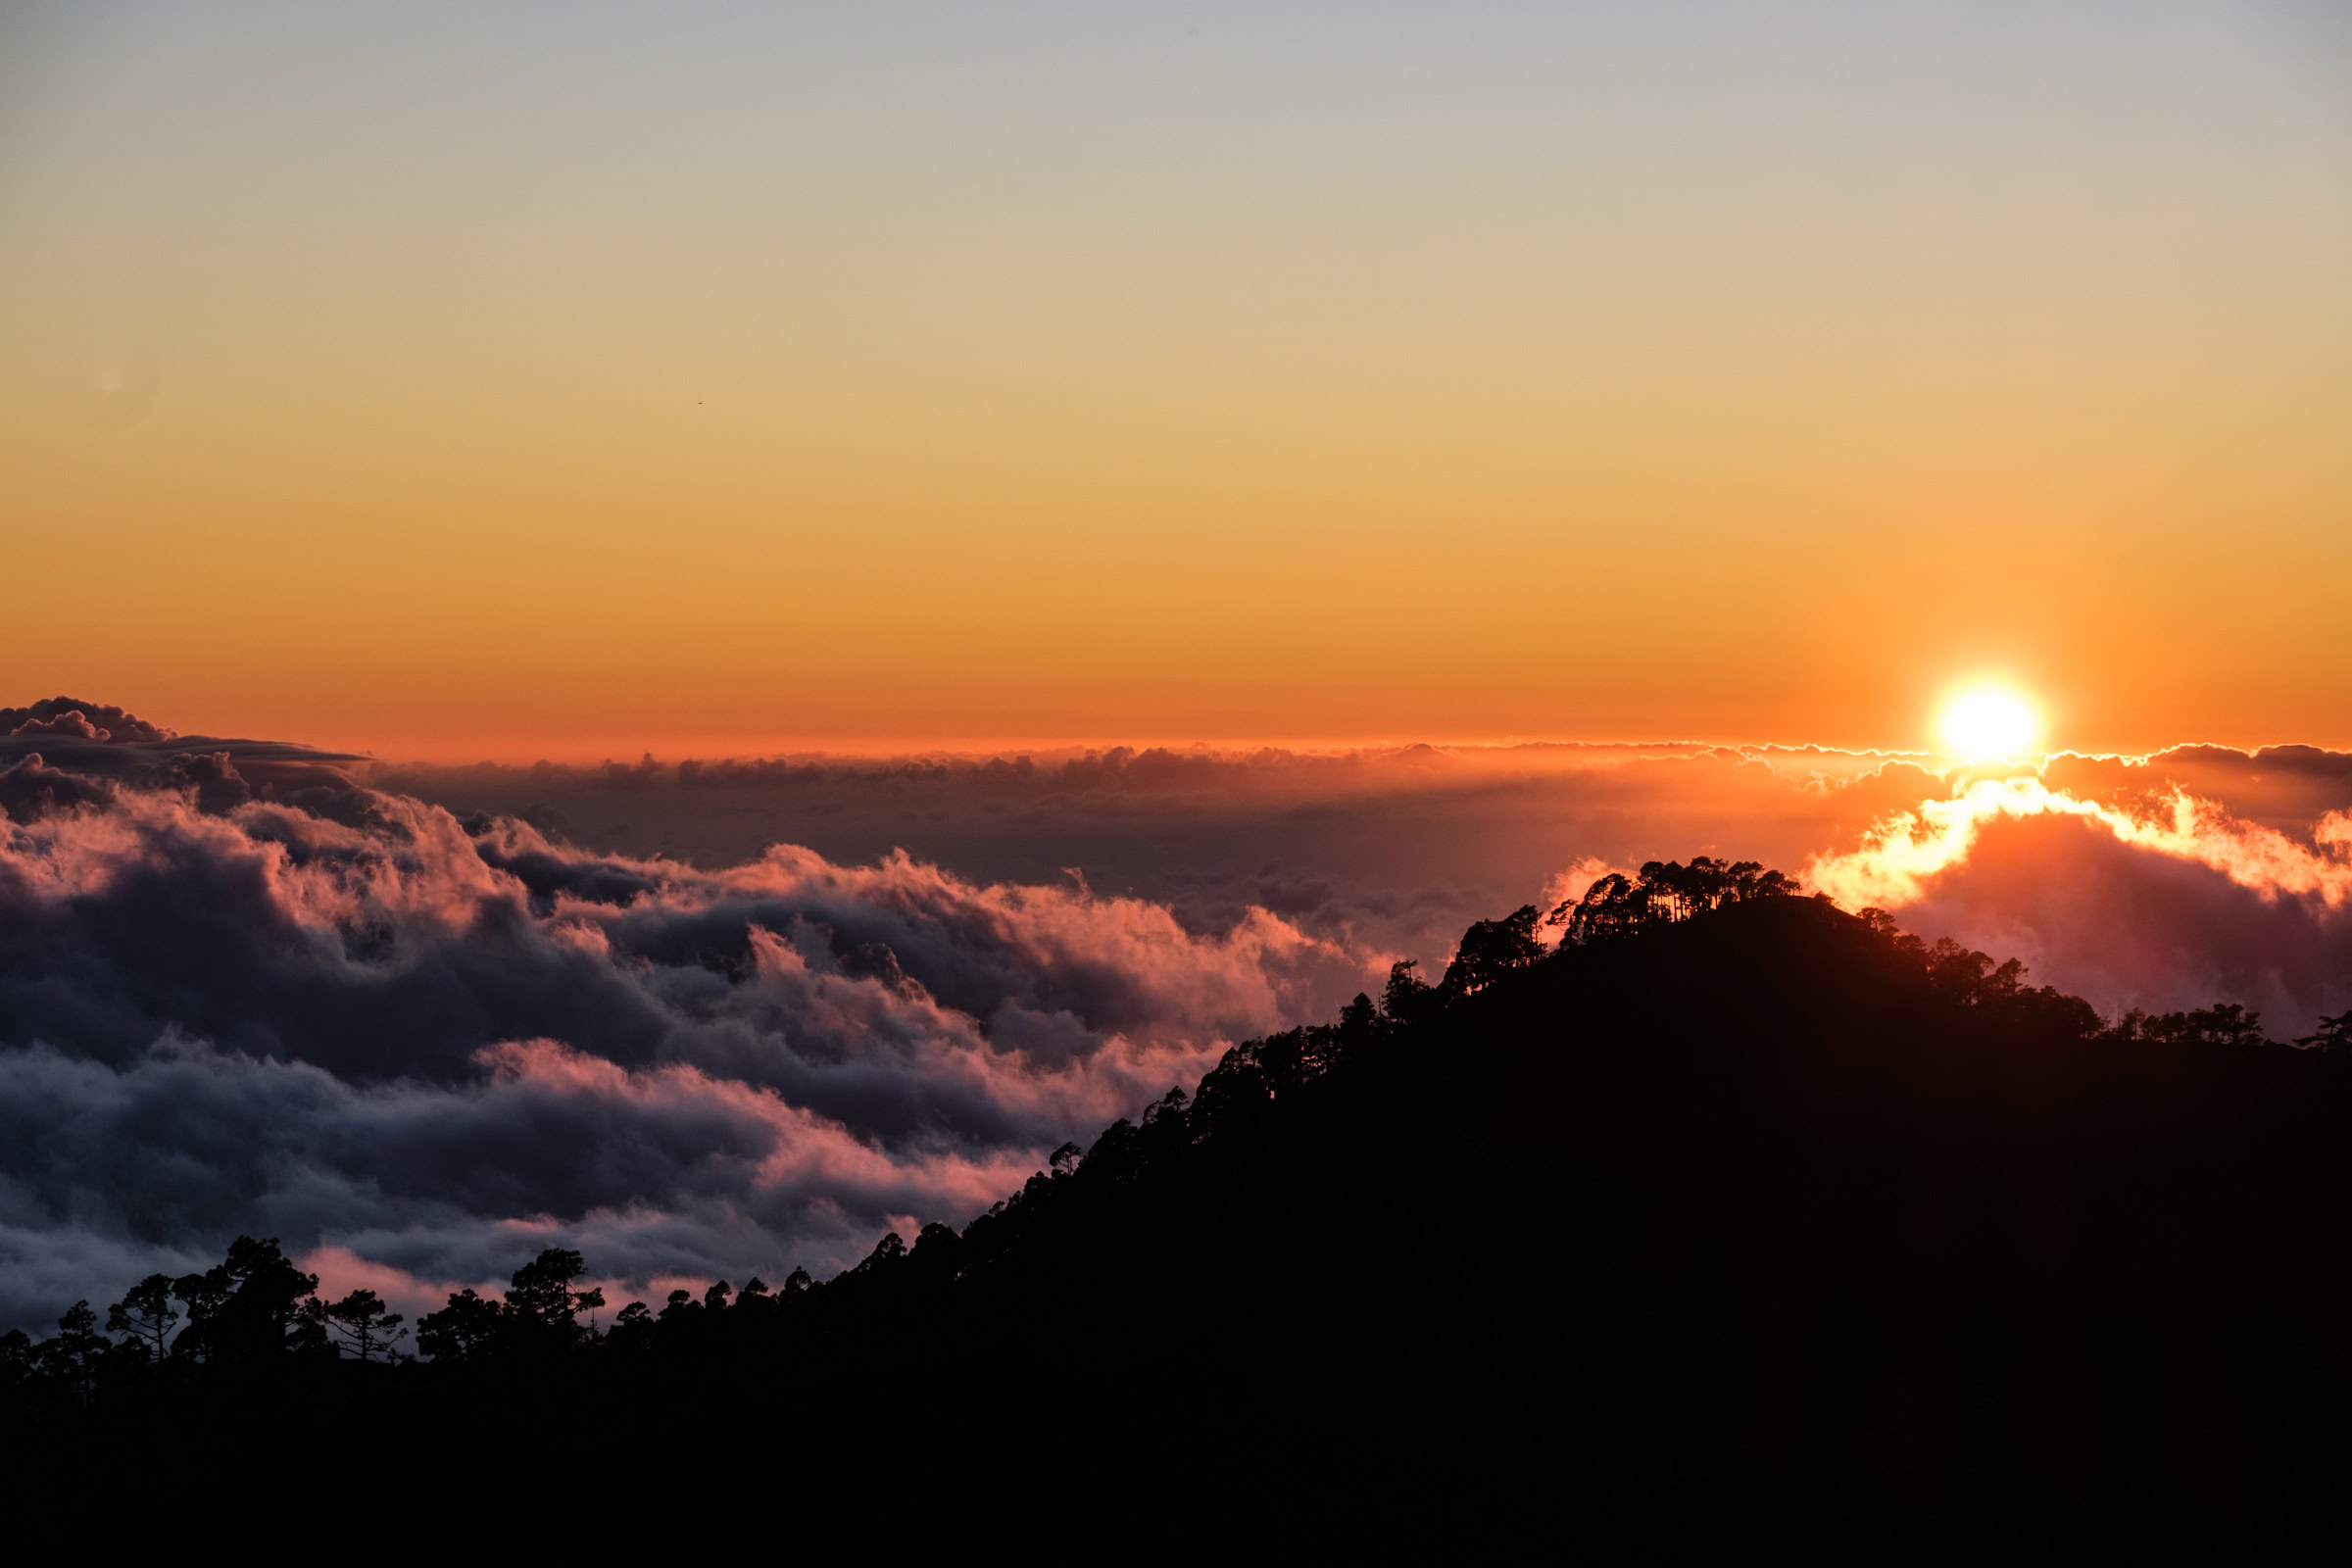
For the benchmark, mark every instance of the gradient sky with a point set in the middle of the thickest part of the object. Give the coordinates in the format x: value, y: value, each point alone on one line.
x: 488, y: 379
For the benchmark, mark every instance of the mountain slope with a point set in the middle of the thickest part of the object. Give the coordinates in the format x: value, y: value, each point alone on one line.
x: 1766, y: 1219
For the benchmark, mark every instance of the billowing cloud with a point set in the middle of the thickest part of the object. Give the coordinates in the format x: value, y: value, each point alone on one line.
x: 404, y: 1036
x: 75, y: 719
x: 2171, y: 903
x: 29, y: 787
x: 722, y: 1019
x: 1901, y: 853
x: 1395, y: 847
x: 1400, y: 847
x: 2286, y: 787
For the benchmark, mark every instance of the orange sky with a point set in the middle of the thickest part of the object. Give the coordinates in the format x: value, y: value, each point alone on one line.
x: 455, y: 384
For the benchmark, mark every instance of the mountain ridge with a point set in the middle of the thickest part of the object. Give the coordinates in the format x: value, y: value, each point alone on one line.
x: 1759, y: 1217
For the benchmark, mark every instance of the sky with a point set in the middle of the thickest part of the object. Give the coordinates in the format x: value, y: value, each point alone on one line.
x: 700, y: 631
x: 456, y: 382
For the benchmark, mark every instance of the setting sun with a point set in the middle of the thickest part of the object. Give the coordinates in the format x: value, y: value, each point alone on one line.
x: 1989, y: 721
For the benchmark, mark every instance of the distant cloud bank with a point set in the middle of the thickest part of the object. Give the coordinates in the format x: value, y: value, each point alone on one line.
x: 418, y: 1024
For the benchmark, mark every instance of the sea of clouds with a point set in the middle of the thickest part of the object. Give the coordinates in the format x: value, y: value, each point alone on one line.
x: 718, y: 1018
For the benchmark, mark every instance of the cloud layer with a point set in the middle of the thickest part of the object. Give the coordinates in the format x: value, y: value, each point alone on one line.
x: 418, y: 1024
x: 2142, y: 895
x: 427, y: 1043
x: 2199, y: 873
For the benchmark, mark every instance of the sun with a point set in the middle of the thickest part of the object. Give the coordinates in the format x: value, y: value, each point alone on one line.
x: 1989, y: 721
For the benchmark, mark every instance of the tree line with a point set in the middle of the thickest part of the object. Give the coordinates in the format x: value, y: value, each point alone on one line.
x: 256, y: 1310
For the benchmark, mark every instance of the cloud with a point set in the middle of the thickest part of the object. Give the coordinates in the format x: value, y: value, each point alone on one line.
x: 1394, y: 848
x: 2286, y: 787
x: 63, y: 753
x: 397, y: 1039
x: 675, y: 1169
x: 2172, y: 905
x: 420, y: 1031
x: 30, y: 788
x: 1902, y: 852
x: 72, y: 716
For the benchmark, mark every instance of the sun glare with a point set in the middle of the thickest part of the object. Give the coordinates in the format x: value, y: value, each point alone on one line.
x: 1989, y: 721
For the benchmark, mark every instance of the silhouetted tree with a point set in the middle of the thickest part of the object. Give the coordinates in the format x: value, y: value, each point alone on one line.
x: 1607, y: 909
x: 466, y: 1330
x: 1664, y: 893
x: 755, y: 1301
x: 1969, y: 977
x: 2333, y: 1035
x: 362, y: 1322
x: 2225, y: 1024
x: 1492, y: 948
x: 935, y: 1253
x: 16, y: 1361
x: 71, y: 1357
x: 247, y: 1306
x: 1708, y: 1203
x: 1407, y: 996
x: 542, y: 1308
x: 146, y: 1315
x: 203, y: 1294
x: 890, y: 1250
x: 633, y: 1329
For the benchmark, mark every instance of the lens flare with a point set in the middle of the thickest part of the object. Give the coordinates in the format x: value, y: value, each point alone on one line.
x: 1989, y: 721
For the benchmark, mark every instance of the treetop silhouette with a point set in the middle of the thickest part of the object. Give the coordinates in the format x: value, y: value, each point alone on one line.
x: 1724, y: 1184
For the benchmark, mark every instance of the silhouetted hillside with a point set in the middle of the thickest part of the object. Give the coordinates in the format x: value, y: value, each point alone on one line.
x: 1734, y: 1212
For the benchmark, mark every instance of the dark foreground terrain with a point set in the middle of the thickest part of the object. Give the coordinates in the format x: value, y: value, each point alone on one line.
x: 1736, y: 1215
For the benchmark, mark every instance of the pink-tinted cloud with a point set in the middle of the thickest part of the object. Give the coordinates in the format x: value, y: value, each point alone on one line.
x: 392, y: 1040
x: 239, y: 991
x: 1902, y: 854
x: 2172, y: 904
